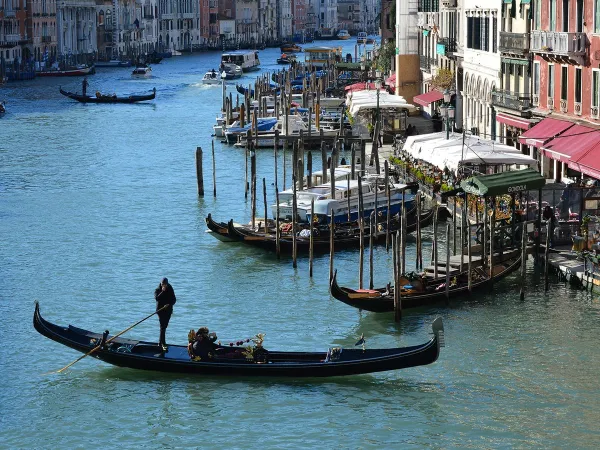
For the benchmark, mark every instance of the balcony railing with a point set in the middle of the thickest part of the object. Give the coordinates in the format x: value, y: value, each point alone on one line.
x: 572, y: 45
x: 449, y: 43
x: 10, y: 13
x: 46, y: 38
x: 516, y: 101
x: 517, y: 43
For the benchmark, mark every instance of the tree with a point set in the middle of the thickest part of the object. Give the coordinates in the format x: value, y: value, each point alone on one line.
x: 444, y: 79
x: 385, y: 56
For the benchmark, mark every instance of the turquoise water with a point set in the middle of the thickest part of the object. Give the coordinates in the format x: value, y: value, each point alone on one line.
x: 98, y: 202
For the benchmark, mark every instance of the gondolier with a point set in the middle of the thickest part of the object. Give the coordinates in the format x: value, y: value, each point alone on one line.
x: 84, y: 85
x: 164, y: 295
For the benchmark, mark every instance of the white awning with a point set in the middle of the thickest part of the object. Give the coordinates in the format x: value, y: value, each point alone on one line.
x: 359, y: 101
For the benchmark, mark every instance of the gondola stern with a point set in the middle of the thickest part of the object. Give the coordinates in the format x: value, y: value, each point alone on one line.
x: 438, y: 331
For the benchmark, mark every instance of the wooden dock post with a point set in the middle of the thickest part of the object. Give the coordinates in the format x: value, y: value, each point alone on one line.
x: 311, y: 243
x: 469, y: 260
x: 547, y: 253
x: 348, y: 197
x: 434, y: 245
x: 294, y: 223
x: 371, y: 244
x: 275, y: 150
x: 484, y: 242
x: 403, y: 235
x: 214, y: 169
x: 199, y: 174
x: 447, y: 287
x: 324, y: 162
x: 309, y: 168
x: 353, y: 161
x: 277, y: 229
x: 463, y: 230
x: 265, y: 202
x: 388, y: 217
x: 492, y: 239
x: 523, y: 258
x: 300, y: 174
x: 397, y: 287
x: 361, y: 234
x: 419, y: 252
x: 363, y: 151
x: 253, y: 193
x: 246, y: 153
x: 331, y: 244
x: 454, y: 223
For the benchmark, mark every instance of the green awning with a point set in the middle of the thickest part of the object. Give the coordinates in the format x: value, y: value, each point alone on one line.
x: 520, y: 62
x: 504, y: 183
x: 525, y: 2
x: 347, y: 66
x: 508, y: 1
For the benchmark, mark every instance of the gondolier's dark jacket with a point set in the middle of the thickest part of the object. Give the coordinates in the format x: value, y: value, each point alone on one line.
x: 166, y: 297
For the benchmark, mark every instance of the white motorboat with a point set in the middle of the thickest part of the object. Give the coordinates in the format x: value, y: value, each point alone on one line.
x: 212, y: 77
x: 247, y: 60
x: 142, y: 71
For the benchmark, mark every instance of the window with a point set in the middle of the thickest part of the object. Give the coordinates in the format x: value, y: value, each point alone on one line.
x: 550, y: 80
x: 565, y: 15
x: 577, y: 85
x: 596, y: 16
x: 494, y: 34
x: 552, y: 5
x: 595, y: 87
x: 564, y: 88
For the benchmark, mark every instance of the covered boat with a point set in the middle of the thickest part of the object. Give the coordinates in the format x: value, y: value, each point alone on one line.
x: 236, y: 360
x: 290, y: 47
x: 99, y: 98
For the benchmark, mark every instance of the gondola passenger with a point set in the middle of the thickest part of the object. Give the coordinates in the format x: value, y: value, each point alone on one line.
x: 203, y: 345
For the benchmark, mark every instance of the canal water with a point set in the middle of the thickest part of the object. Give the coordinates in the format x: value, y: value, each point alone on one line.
x: 98, y: 202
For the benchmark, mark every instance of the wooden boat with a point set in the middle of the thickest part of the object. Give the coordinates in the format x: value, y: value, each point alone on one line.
x: 361, y: 38
x: 77, y: 72
x: 346, y: 235
x: 290, y: 47
x: 2, y: 108
x: 231, y: 360
x: 343, y: 35
x: 109, y: 98
x: 420, y: 293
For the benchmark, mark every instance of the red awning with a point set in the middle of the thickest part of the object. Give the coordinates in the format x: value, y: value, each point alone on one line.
x: 588, y: 163
x: 428, y: 97
x: 513, y: 121
x: 571, y: 144
x: 391, y: 81
x: 544, y: 131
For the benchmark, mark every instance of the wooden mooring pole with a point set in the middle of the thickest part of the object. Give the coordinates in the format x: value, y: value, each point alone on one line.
x: 311, y: 243
x: 523, y: 258
x: 265, y: 202
x: 294, y: 223
x: 331, y: 242
x: 371, y: 244
x: 277, y: 229
x: 199, y: 174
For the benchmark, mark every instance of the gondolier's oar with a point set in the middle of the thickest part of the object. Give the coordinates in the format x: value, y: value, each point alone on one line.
x: 109, y: 340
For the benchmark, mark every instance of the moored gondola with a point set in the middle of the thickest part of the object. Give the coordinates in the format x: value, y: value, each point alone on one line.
x: 347, y: 235
x: 99, y: 98
x: 420, y: 293
x: 239, y: 361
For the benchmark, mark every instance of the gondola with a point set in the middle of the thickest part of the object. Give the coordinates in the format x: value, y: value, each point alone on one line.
x: 420, y: 293
x: 231, y: 360
x: 109, y: 98
x: 346, y: 235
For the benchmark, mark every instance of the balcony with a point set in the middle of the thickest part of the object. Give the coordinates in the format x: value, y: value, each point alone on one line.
x: 46, y: 38
x: 10, y: 13
x: 561, y: 45
x: 515, y: 101
x: 514, y: 43
x: 449, y: 44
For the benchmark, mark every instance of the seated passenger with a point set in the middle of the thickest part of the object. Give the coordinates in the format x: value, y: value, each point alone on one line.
x: 202, y: 345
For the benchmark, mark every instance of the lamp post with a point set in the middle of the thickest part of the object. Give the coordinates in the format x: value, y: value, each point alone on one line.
x: 363, y: 67
x: 447, y: 111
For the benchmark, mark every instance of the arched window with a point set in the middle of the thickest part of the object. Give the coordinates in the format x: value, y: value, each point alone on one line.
x: 101, y: 18
x: 108, y: 18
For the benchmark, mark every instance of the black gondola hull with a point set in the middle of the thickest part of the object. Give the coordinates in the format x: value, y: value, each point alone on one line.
x: 109, y: 99
x: 146, y: 356
x: 383, y: 301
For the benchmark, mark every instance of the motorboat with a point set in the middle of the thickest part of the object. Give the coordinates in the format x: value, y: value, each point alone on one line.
x: 142, y: 71
x: 263, y: 124
x: 113, y: 63
x: 361, y: 38
x: 80, y: 70
x: 247, y: 60
x: 290, y: 47
x: 343, y: 35
x: 211, y: 77
x: 286, y: 59
x: 232, y: 71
